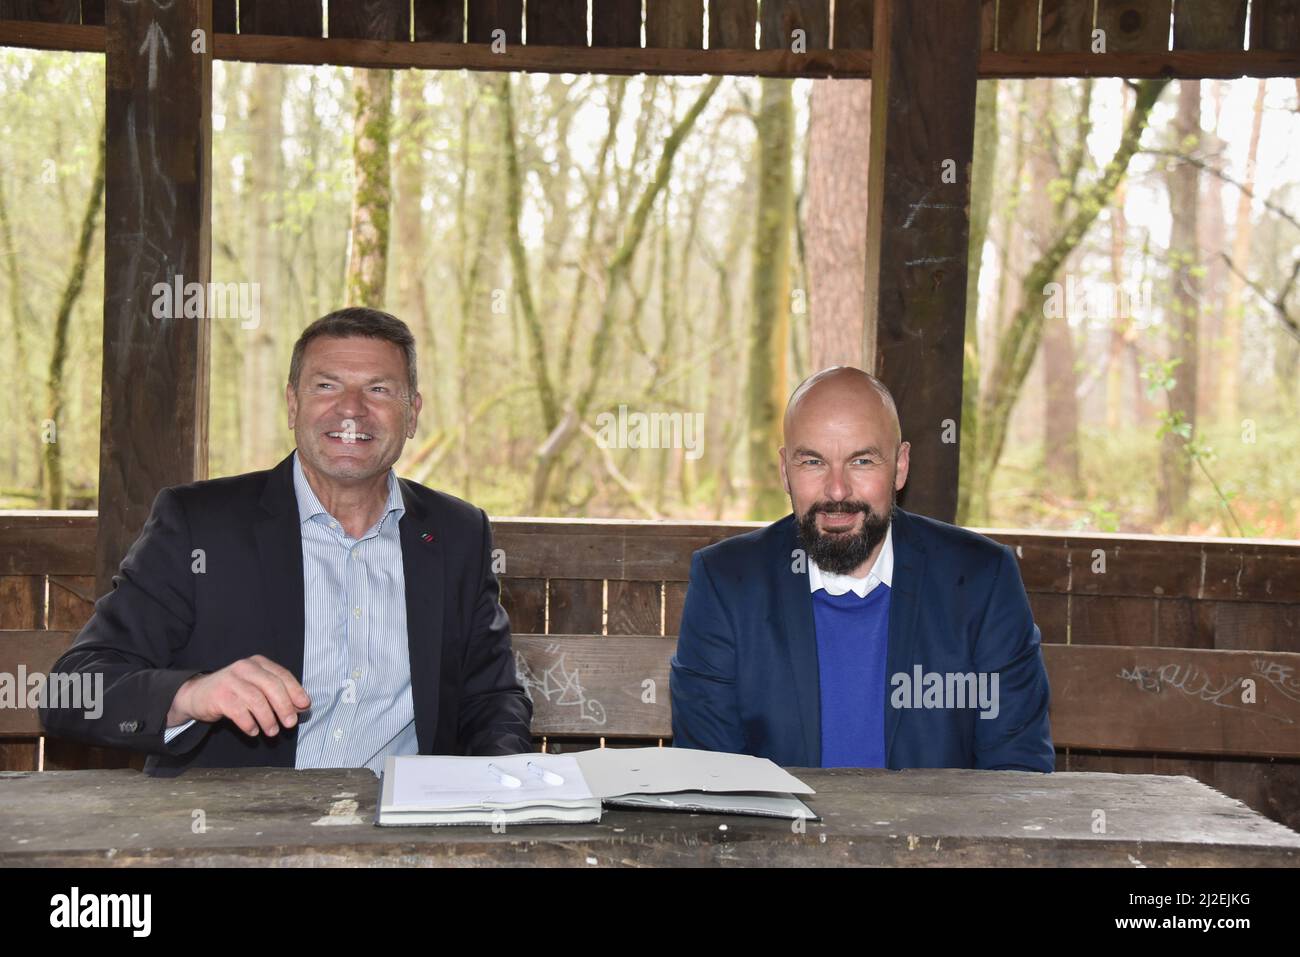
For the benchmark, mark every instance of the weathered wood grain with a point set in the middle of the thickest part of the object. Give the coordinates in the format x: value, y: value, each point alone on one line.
x: 784, y: 24
x: 633, y: 608
x: 71, y: 602
x: 1018, y: 26
x: 616, y: 23
x: 923, y: 128
x: 854, y: 23
x: 1175, y: 700
x: 23, y: 654
x: 1065, y: 25
x: 557, y: 23
x: 286, y: 18
x: 370, y: 19
x: 44, y: 11
x: 592, y: 685
x: 439, y: 21
x: 1134, y: 25
x: 1217, y: 25
x: 47, y: 543
x: 576, y: 606
x: 1275, y: 25
x: 264, y: 817
x: 22, y: 601
x: 674, y: 24
x: 157, y: 227
x: 488, y: 16
x: 608, y: 58
x: 524, y: 600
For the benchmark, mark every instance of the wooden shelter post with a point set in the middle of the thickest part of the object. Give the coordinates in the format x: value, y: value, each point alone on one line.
x: 154, y: 412
x: 924, y: 64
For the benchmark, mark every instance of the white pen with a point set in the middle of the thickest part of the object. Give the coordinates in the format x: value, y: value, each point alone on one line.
x: 507, y: 780
x: 550, y: 777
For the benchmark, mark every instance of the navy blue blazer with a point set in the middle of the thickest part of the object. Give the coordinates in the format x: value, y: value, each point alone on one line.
x: 745, y: 677
x: 162, y: 624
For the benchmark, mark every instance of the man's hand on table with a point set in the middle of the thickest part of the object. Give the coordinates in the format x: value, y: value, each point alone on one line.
x: 254, y: 693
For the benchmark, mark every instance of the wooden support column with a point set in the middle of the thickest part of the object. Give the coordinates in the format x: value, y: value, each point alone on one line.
x: 923, y: 73
x: 154, y: 413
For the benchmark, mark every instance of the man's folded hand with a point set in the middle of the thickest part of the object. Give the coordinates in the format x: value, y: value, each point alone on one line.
x: 254, y: 693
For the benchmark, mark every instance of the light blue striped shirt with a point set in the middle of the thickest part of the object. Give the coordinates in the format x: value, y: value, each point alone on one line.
x: 356, y: 660
x: 356, y: 664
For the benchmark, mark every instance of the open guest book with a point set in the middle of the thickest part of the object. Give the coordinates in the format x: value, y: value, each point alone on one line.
x: 553, y: 788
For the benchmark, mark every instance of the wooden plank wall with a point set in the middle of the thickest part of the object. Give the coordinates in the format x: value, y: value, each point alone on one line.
x: 776, y: 37
x: 629, y: 578
x: 47, y: 583
x: 1123, y: 698
x: 618, y: 577
x: 283, y: 18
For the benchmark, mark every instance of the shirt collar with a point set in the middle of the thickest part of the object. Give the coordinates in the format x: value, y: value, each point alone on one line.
x: 882, y: 573
x: 309, y: 505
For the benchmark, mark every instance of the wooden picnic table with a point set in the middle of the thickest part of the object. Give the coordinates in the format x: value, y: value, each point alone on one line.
x: 276, y: 817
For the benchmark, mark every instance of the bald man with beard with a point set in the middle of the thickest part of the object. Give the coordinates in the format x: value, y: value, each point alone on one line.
x: 852, y: 633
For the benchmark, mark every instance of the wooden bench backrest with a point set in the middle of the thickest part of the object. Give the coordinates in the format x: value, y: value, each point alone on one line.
x: 1114, y: 698
x: 595, y: 606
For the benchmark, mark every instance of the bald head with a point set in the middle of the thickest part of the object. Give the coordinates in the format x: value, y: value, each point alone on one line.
x: 842, y: 464
x: 838, y: 392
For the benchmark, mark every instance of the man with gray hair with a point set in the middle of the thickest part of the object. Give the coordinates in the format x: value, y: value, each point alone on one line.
x: 852, y: 633
x: 324, y: 613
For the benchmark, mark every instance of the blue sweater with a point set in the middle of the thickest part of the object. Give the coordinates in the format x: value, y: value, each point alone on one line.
x: 852, y: 641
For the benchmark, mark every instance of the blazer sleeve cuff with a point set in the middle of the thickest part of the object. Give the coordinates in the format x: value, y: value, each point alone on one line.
x: 184, y: 737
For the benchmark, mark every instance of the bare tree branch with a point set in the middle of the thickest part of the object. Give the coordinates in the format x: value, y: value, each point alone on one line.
x: 1289, y: 322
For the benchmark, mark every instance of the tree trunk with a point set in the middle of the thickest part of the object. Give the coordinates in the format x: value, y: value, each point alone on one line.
x: 1229, y: 404
x: 262, y: 372
x: 1184, y: 182
x: 587, y: 260
x: 835, y: 221
x: 523, y: 287
x: 20, y: 314
x: 413, y: 250
x: 472, y: 245
x: 54, y: 491
x: 1060, y: 380
x: 769, y: 322
x: 1119, y: 327
x: 1061, y: 415
x: 722, y: 413
x: 1211, y: 231
x: 227, y: 379
x: 983, y: 161
x: 372, y: 187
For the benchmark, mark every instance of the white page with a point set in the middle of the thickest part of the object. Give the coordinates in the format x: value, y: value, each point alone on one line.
x: 445, y: 781
x: 612, y: 771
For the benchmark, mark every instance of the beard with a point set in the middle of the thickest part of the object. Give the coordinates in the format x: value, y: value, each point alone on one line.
x: 840, y: 553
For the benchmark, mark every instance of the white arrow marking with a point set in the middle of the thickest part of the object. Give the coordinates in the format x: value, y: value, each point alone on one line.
x: 151, y: 41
